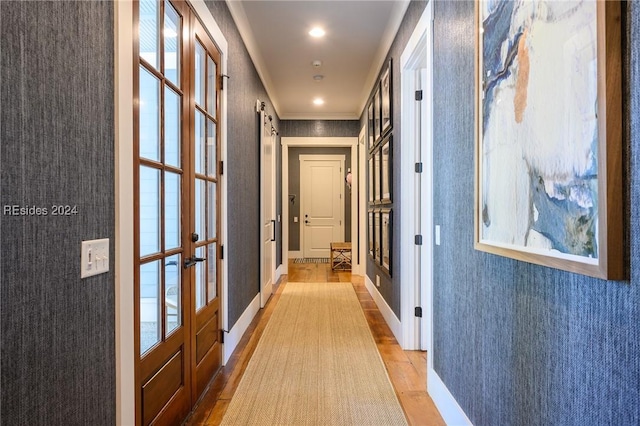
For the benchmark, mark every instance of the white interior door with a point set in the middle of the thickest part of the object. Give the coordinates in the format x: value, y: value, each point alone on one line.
x: 322, y: 203
x: 268, y: 203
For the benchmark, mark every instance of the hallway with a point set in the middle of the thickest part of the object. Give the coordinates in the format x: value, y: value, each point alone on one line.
x: 406, y: 369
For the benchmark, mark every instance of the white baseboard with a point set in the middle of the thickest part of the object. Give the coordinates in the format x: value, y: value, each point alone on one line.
x: 390, y: 317
x: 295, y: 254
x: 278, y: 273
x: 451, y: 412
x: 232, y: 338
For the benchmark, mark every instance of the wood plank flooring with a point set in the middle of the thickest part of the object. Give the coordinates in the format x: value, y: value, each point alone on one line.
x: 407, y: 369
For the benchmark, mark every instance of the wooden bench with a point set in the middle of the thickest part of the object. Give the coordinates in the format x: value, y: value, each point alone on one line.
x: 340, y: 256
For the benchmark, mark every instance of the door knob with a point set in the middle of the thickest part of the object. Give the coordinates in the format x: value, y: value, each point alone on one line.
x: 190, y: 261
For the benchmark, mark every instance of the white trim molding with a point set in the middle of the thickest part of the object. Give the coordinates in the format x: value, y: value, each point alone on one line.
x: 389, y: 316
x: 312, y: 142
x: 233, y: 336
x: 416, y: 191
x: 124, y: 269
x: 449, y: 409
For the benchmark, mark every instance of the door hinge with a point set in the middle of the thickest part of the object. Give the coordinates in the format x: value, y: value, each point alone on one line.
x: 418, y: 311
x: 222, y: 77
x: 418, y: 240
x: 418, y: 167
x: 221, y: 252
x: 418, y: 95
x: 220, y: 167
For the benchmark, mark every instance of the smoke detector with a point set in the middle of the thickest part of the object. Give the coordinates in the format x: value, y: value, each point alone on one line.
x: 317, y: 63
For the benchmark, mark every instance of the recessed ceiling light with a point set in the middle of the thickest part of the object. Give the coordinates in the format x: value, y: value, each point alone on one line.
x: 318, y: 77
x: 318, y: 101
x: 317, y: 32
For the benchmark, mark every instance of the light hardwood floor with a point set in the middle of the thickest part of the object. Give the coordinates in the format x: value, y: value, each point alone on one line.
x: 407, y: 369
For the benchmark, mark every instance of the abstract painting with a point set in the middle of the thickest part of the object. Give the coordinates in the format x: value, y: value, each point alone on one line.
x: 544, y: 146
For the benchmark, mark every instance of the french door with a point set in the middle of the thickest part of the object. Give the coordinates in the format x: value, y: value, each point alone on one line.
x: 177, y: 194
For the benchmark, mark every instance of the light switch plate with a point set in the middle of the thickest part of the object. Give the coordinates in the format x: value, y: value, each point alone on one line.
x: 94, y: 257
x: 437, y: 235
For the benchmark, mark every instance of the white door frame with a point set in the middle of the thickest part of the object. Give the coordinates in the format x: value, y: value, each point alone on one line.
x: 316, y: 142
x: 416, y: 273
x: 321, y: 157
x: 124, y: 184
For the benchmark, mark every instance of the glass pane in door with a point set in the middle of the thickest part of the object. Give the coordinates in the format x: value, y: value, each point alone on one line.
x: 171, y: 210
x: 172, y: 37
x: 172, y: 296
x: 199, y: 140
x: 149, y: 115
x: 211, y: 210
x: 171, y: 127
x: 211, y: 86
x: 201, y: 278
x: 150, y: 324
x: 149, y: 210
x: 200, y: 209
x: 212, y: 277
x: 149, y: 40
x: 200, y: 76
x: 211, y: 148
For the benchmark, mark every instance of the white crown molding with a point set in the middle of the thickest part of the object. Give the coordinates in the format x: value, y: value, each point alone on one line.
x: 248, y: 37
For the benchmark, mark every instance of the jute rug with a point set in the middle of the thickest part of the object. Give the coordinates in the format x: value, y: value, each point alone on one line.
x: 316, y: 364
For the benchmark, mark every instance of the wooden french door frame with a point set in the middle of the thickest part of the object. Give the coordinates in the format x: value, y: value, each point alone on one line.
x: 171, y: 374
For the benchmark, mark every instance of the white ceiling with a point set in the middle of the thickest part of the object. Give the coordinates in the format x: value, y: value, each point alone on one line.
x: 358, y: 36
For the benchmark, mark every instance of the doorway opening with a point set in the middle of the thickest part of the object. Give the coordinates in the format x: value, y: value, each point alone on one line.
x: 416, y: 66
x: 288, y: 197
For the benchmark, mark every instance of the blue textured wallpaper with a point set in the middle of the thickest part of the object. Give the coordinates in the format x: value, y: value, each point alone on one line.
x: 516, y: 343
x: 57, y: 339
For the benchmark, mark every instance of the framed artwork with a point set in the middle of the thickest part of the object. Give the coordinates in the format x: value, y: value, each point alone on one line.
x: 386, y: 169
x: 372, y: 185
x: 376, y: 240
x: 385, y: 239
x: 370, y: 125
x: 371, y: 235
x: 548, y: 134
x: 376, y: 114
x: 385, y: 87
x: 376, y: 176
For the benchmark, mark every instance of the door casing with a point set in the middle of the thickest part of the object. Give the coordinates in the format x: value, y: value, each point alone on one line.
x: 357, y: 228
x: 416, y: 273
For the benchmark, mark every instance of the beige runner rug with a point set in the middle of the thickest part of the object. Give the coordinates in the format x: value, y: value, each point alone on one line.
x: 316, y: 364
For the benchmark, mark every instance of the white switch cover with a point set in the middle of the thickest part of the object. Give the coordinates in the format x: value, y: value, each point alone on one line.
x: 94, y: 259
x: 295, y: 219
x: 437, y: 235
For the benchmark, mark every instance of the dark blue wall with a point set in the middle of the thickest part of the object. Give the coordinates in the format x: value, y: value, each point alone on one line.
x: 515, y: 343
x: 57, y: 334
